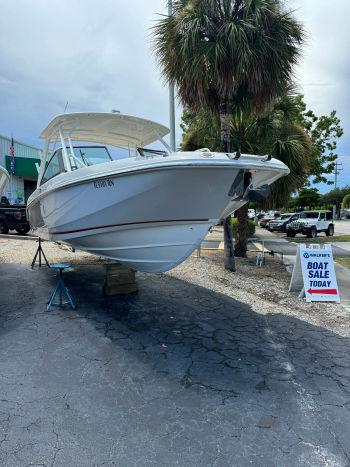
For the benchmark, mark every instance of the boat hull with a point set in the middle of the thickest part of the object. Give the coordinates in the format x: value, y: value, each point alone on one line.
x: 149, y: 221
x: 149, y: 214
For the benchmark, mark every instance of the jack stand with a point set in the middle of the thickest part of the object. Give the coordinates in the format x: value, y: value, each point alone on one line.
x: 39, y: 252
x: 61, y: 289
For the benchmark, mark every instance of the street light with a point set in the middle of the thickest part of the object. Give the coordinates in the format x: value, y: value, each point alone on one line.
x: 171, y: 97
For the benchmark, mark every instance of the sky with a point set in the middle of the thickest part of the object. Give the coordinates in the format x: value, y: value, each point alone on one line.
x: 97, y: 56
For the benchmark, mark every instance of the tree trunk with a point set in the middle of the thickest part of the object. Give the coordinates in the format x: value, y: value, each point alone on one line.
x: 225, y: 121
x: 242, y: 232
x: 230, y: 263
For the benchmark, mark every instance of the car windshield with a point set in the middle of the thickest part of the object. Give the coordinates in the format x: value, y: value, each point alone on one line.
x: 92, y: 155
x: 309, y: 215
x: 286, y: 216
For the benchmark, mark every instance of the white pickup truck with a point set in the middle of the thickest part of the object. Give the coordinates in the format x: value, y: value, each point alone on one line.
x: 310, y: 223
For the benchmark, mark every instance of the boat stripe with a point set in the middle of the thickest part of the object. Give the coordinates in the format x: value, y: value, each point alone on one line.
x: 126, y: 224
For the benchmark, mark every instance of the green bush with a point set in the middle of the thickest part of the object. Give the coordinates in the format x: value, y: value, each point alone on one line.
x: 251, y: 224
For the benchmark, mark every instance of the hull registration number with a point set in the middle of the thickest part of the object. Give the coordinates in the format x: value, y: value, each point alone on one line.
x: 108, y: 183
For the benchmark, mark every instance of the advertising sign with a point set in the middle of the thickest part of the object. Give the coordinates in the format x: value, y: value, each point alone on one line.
x: 314, y: 273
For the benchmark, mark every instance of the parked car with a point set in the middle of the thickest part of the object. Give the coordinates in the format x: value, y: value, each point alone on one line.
x: 310, y: 223
x: 251, y: 213
x: 279, y: 225
x: 260, y: 215
x: 271, y: 216
x: 13, y: 217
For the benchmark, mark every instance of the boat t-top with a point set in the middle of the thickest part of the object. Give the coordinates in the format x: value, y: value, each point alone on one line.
x: 149, y: 210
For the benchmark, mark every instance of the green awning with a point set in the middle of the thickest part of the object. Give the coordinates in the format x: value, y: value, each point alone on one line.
x: 24, y: 166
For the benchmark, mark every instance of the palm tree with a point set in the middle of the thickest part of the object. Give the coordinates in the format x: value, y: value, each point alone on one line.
x: 222, y: 54
x: 276, y: 131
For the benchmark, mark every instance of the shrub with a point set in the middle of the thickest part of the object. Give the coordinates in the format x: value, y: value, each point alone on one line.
x: 251, y: 224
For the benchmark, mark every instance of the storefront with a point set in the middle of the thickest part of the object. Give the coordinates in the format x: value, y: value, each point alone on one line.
x: 23, y: 181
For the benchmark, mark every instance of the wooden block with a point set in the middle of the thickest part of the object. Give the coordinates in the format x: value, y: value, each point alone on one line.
x: 119, y: 280
x: 119, y: 289
x: 123, y: 277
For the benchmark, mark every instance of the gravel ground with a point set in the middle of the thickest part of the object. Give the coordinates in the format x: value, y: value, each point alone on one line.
x: 264, y: 289
x: 20, y: 251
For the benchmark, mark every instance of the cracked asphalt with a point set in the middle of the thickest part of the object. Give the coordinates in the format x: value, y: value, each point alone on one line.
x: 173, y: 375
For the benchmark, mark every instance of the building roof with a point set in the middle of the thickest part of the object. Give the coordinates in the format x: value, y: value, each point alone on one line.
x: 16, y: 141
x: 105, y: 128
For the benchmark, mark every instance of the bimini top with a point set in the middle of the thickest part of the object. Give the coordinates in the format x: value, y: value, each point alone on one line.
x: 105, y: 128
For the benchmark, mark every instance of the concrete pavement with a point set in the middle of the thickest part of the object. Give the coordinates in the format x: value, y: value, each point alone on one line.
x: 342, y: 227
x: 175, y: 375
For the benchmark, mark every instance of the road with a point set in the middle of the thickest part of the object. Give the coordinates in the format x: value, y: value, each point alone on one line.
x: 342, y: 227
x: 279, y: 244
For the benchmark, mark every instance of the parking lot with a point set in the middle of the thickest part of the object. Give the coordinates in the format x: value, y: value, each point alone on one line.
x: 177, y: 374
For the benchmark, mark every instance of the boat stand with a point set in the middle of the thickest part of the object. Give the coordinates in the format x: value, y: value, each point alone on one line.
x: 61, y: 290
x: 39, y: 252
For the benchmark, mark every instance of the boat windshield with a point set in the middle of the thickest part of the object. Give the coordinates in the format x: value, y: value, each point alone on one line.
x: 92, y: 155
x: 151, y: 153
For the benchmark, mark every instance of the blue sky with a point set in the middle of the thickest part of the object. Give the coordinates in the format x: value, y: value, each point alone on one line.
x: 97, y: 56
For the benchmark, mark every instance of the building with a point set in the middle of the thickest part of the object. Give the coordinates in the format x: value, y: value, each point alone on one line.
x: 23, y: 182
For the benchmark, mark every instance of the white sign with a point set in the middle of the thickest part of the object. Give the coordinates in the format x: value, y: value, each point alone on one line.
x: 314, y: 273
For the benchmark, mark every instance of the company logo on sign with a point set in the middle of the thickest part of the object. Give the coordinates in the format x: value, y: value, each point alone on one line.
x: 306, y: 255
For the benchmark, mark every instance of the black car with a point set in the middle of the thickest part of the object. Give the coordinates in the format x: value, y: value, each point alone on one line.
x: 13, y: 217
x: 279, y: 225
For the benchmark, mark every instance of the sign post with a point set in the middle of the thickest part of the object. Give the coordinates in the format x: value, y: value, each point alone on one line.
x: 314, y: 274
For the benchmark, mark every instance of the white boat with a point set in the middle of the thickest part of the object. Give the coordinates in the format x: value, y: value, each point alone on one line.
x: 148, y: 211
x: 4, y: 178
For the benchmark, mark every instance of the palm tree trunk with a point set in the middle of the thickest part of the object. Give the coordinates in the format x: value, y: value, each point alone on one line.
x: 225, y: 120
x: 242, y: 232
x: 230, y: 263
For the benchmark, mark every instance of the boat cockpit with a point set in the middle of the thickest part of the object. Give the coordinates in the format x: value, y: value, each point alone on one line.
x: 85, y: 156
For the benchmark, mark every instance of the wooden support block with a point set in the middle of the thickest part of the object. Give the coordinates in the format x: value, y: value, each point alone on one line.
x: 119, y: 280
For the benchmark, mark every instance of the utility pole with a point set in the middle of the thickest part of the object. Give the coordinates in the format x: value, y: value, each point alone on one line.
x: 172, y: 97
x: 337, y: 169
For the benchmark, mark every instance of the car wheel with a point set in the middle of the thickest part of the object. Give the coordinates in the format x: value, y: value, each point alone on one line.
x: 330, y: 231
x: 3, y: 228
x: 290, y: 233
x: 23, y: 230
x: 312, y: 232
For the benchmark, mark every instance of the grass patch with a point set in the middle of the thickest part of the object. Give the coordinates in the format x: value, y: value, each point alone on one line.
x: 320, y: 239
x: 345, y: 261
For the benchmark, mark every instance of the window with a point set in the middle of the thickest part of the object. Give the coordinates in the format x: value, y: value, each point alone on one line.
x: 329, y: 216
x: 309, y: 215
x: 322, y: 216
x: 92, y: 155
x: 53, y: 167
x: 151, y: 153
